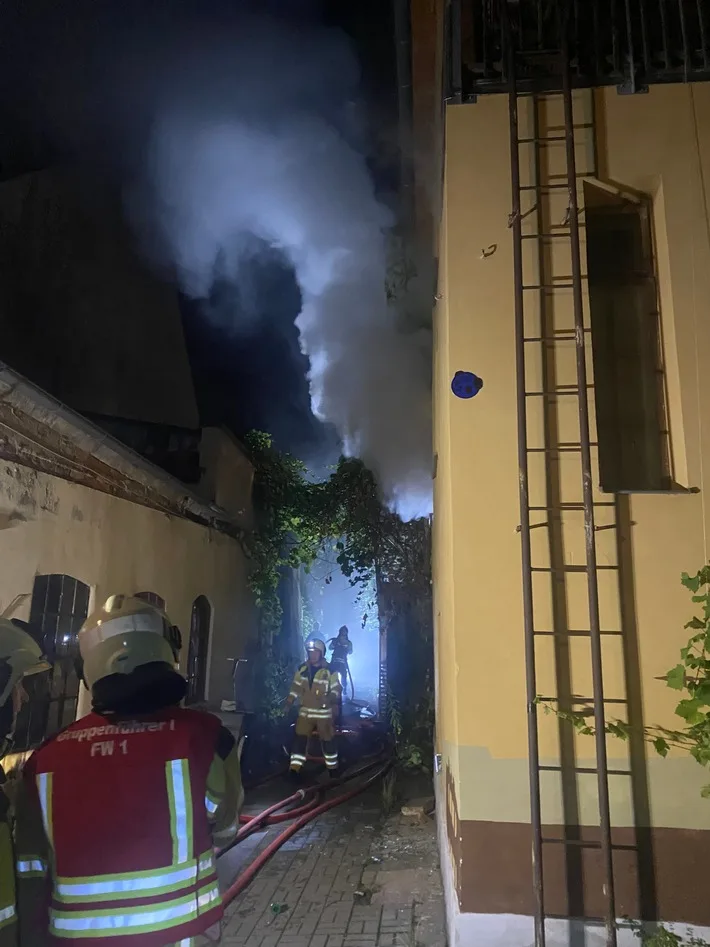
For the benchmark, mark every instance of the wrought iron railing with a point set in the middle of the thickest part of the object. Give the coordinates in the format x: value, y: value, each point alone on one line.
x: 628, y: 43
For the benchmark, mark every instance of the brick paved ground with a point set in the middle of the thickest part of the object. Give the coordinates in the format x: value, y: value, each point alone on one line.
x: 350, y: 879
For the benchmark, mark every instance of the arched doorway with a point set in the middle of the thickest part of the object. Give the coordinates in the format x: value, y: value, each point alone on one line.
x: 197, y: 650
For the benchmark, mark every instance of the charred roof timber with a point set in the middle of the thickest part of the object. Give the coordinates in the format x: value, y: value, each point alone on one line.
x: 631, y: 44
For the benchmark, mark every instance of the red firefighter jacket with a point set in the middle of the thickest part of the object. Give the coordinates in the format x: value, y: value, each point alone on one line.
x: 125, y: 807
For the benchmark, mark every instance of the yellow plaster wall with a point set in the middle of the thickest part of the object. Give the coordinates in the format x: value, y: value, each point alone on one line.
x: 660, y: 144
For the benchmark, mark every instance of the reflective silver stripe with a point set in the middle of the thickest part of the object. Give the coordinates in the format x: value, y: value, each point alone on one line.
x: 142, y: 621
x: 44, y: 788
x: 211, y: 807
x: 293, y: 694
x: 35, y: 865
x: 180, y: 796
x: 127, y: 885
x: 7, y: 913
x: 206, y: 863
x: 151, y: 917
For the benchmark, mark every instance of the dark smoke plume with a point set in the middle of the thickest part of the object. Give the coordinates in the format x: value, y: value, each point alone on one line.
x: 249, y: 137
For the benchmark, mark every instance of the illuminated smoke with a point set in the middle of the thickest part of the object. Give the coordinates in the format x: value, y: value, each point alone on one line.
x: 299, y: 187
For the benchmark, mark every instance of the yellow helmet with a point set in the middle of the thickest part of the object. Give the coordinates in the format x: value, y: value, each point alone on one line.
x: 125, y: 634
x: 20, y: 656
x: 315, y: 644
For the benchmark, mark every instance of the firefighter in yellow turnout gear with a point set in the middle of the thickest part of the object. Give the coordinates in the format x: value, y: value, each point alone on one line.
x: 318, y: 691
x: 20, y: 656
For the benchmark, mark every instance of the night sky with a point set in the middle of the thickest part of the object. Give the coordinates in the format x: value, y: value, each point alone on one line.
x: 253, y: 379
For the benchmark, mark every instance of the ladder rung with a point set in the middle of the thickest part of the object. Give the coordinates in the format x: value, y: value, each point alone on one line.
x: 576, y: 634
x: 549, y: 286
x: 544, y: 187
x: 568, y: 277
x: 581, y: 843
x: 565, y: 335
x: 530, y: 141
x: 560, y: 449
x: 560, y: 128
x: 568, y: 506
x: 574, y: 699
x: 585, y: 770
x: 602, y: 568
x: 545, y: 236
x: 579, y: 174
x: 556, y: 391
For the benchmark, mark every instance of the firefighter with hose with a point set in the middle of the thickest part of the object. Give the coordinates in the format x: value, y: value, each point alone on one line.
x: 20, y: 656
x: 118, y: 815
x: 318, y: 690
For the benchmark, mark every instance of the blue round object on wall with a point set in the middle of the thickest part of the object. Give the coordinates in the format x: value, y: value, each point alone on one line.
x: 466, y: 384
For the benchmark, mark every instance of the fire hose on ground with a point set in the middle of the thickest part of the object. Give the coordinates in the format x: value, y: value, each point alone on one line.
x: 302, y: 815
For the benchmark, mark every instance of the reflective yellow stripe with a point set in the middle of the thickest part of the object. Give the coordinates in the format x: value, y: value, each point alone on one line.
x: 133, y: 885
x: 137, y: 920
x: 177, y: 774
x: 127, y: 887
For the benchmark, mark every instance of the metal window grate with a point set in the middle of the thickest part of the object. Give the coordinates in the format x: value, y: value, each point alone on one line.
x: 197, y: 650
x: 58, y: 609
x: 628, y: 43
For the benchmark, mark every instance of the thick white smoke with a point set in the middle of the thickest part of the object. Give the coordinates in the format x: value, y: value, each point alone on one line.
x: 302, y: 189
x: 242, y: 149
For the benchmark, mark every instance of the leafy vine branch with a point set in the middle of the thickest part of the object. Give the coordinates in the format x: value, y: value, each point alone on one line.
x: 691, y: 677
x: 298, y: 519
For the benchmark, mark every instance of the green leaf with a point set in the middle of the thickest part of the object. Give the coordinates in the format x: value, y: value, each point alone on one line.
x: 661, y: 746
x: 691, y: 582
x: 618, y: 729
x: 695, y: 623
x: 705, y: 791
x: 675, y: 678
x: 689, y: 710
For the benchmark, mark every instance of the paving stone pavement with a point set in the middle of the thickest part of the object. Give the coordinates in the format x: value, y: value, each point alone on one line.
x: 349, y: 879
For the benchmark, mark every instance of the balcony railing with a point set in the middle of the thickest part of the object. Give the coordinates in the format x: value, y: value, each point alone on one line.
x: 628, y: 43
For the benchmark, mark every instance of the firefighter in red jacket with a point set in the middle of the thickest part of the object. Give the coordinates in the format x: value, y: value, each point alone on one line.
x: 118, y: 815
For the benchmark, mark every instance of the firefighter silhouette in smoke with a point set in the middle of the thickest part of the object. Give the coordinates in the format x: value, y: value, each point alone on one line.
x: 342, y: 648
x: 318, y: 690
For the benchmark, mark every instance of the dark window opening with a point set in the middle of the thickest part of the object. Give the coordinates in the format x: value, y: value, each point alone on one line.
x: 58, y: 609
x: 152, y: 598
x: 632, y: 432
x: 197, y: 650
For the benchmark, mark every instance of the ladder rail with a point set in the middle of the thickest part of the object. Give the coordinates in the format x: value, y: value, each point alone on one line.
x: 573, y: 855
x: 524, y: 498
x: 588, y: 501
x: 581, y: 388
